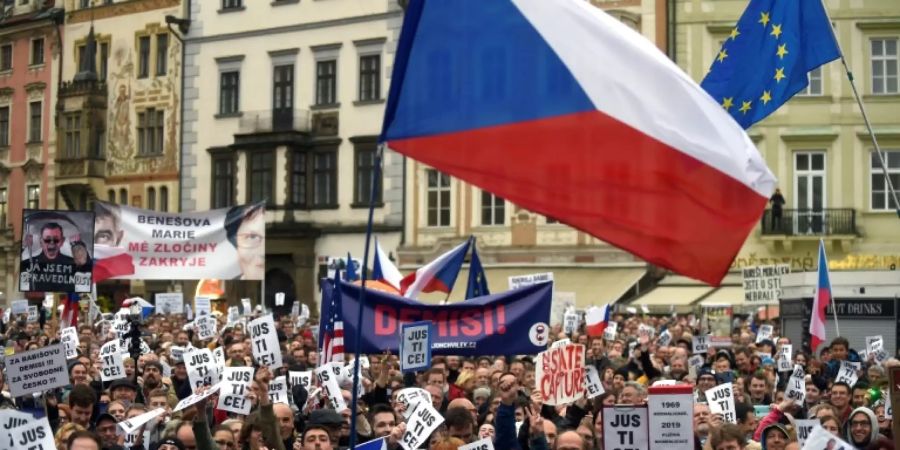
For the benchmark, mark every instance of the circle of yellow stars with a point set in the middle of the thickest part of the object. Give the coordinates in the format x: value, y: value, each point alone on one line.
x: 746, y: 105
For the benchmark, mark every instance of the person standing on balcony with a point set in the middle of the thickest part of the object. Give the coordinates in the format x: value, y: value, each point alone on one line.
x: 777, y: 201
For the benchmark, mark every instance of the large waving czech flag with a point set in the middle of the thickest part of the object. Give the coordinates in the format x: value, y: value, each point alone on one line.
x: 563, y: 110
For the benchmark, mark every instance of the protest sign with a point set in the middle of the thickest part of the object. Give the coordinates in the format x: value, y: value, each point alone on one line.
x: 248, y: 309
x: 696, y: 361
x: 847, y: 374
x: 762, y: 284
x: 202, y: 306
x: 19, y: 307
x: 194, y: 398
x: 415, y: 346
x: 646, y: 331
x: 9, y: 419
x: 217, y: 244
x: 804, y: 429
x: 609, y: 334
x: 721, y: 401
x: 700, y: 344
x: 671, y: 410
x: 279, y: 299
x: 424, y: 420
x: 410, y: 397
x: 32, y: 314
x: 796, y: 386
x: 765, y: 332
x: 278, y: 391
x: 170, y: 303
x: 570, y: 322
x: 57, y: 251
x: 784, y: 357
x: 133, y: 424
x: 483, y: 444
x: 822, y: 439
x: 559, y: 374
x: 206, y: 327
x: 329, y: 383
x: 234, y: 389
x: 37, y: 370
x: 518, y: 281
x: 875, y: 347
x: 264, y: 341
x: 112, y: 365
x: 201, y: 368
x: 512, y: 322
x: 300, y: 378
x: 664, y: 338
x: 69, y: 338
x: 592, y: 384
x: 625, y: 427
x: 177, y: 353
x: 34, y: 435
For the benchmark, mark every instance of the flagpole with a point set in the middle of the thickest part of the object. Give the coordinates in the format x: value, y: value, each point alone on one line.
x: 865, y: 117
x: 379, y: 156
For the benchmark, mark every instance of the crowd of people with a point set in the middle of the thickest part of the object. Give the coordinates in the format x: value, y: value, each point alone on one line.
x: 491, y: 397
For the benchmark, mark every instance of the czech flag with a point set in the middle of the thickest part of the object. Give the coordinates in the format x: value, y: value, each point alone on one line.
x: 596, y: 319
x: 564, y: 110
x: 820, y: 302
x: 438, y: 275
x: 111, y: 262
x: 384, y: 270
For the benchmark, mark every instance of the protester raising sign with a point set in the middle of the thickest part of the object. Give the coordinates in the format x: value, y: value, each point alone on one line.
x: 625, y: 428
x: 415, y: 346
x: 671, y: 411
x: 201, y: 368
x: 34, y: 435
x: 796, y: 386
x: 424, y: 420
x: 300, y: 378
x: 234, y: 389
x: 329, y: 383
x: 37, y: 370
x: 112, y: 364
x: 264, y: 340
x: 559, y: 374
x: 69, y: 338
x: 721, y: 401
x: 278, y: 392
x: 593, y: 386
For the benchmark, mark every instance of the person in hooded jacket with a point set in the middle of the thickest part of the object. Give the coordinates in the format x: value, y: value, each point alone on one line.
x: 861, y: 431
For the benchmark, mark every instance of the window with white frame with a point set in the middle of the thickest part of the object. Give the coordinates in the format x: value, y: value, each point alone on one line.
x: 33, y: 196
x: 816, y: 84
x: 438, y: 198
x: 884, y: 65
x: 493, y: 209
x: 37, y: 51
x: 882, y: 200
x: 35, y: 115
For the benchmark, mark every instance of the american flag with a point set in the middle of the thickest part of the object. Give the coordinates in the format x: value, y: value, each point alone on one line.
x: 332, y: 327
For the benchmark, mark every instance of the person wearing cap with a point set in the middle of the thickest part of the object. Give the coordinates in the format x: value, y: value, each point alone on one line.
x: 105, y: 427
x: 706, y: 380
x: 123, y: 389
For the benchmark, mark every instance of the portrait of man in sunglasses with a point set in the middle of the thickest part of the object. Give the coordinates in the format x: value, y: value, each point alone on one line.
x: 57, y: 261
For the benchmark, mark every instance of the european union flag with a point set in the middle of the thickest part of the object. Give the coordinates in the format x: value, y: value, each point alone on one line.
x: 766, y: 58
x: 478, y: 285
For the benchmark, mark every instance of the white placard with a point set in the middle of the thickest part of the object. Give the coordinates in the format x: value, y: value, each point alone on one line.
x: 647, y: 331
x: 664, y: 338
x: 847, y: 374
x: 700, y: 344
x: 34, y: 435
x: 484, y: 444
x: 804, y: 428
x: 329, y: 383
x: 559, y: 374
x: 170, y: 303
x: 410, y: 397
x: 796, y: 386
x: 671, y: 420
x: 875, y: 347
x: 69, y: 338
x: 264, y: 340
x: 570, y: 322
x: 188, y: 312
x: 19, y: 307
x: 822, y: 439
x: 625, y: 428
x: 201, y: 368
x: 415, y: 346
x: 248, y: 308
x: 762, y: 284
x: 278, y: 391
x: 784, y: 357
x: 424, y: 420
x: 177, y: 353
x: 518, y: 281
x: 609, y: 334
x: 37, y: 370
x: 32, y: 314
x: 234, y: 390
x: 202, y: 306
x: 234, y: 315
x: 696, y: 362
x: 300, y: 378
x: 9, y: 419
x: 131, y: 425
x: 721, y: 401
x: 765, y: 332
x: 194, y: 398
x: 206, y: 327
x: 593, y: 386
x: 112, y: 365
x: 279, y: 299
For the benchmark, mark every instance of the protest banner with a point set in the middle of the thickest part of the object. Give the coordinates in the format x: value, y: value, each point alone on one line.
x: 278, y: 391
x: 559, y: 374
x: 69, y: 338
x: 721, y: 401
x: 201, y: 368
x: 133, y: 424
x: 625, y: 427
x: 300, y: 378
x: 57, y: 251
x: 206, y: 327
x: 796, y: 386
x: 415, y: 346
x: 765, y: 332
x: 264, y: 342
x: 762, y: 284
x: 847, y: 374
x: 424, y: 420
x: 408, y: 398
x: 37, y: 370
x: 34, y: 435
x: 593, y: 386
x: 194, y: 398
x: 9, y: 419
x: 220, y: 244
x: 170, y: 303
x: 112, y: 364
x: 329, y: 383
x: 671, y: 410
x: 483, y: 444
x: 804, y: 428
x: 19, y: 307
x: 234, y: 389
x: 700, y: 344
x: 507, y: 323
x: 518, y: 281
x: 822, y: 439
x: 785, y: 360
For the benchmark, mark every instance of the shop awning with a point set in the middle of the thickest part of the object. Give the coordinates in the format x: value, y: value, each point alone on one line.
x: 591, y: 285
x: 726, y: 295
x: 672, y: 295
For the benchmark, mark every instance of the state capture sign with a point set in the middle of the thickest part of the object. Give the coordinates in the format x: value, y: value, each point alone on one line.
x: 762, y: 284
x: 559, y: 374
x: 37, y: 370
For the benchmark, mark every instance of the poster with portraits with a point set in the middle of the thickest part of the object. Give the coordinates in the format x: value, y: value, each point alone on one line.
x: 57, y: 251
x: 224, y: 244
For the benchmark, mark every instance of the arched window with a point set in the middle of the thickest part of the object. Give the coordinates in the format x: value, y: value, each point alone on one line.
x: 111, y: 195
x: 151, y: 198
x: 164, y: 199
x: 123, y: 196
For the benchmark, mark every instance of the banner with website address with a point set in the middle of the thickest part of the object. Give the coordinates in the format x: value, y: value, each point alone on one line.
x: 132, y: 243
x: 510, y: 323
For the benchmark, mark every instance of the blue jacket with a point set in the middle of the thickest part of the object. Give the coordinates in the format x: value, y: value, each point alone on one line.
x: 505, y: 425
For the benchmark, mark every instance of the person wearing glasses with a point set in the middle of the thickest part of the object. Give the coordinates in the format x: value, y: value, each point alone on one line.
x: 245, y: 227
x: 861, y: 431
x: 50, y: 269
